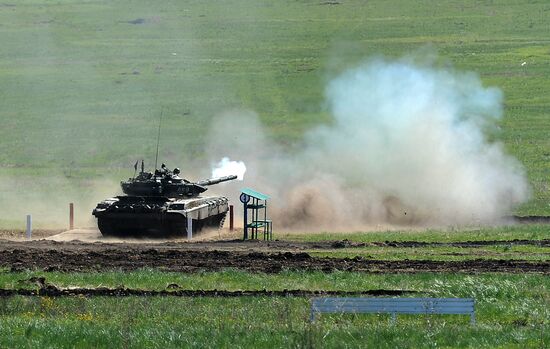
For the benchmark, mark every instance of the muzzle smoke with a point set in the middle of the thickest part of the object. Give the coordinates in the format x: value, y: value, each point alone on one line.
x: 406, y: 146
x: 226, y: 167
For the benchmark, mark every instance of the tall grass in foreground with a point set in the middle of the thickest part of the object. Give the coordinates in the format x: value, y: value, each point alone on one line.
x: 512, y: 311
x: 246, y: 322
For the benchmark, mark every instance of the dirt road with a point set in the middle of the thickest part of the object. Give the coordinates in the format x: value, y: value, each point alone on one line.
x: 254, y: 256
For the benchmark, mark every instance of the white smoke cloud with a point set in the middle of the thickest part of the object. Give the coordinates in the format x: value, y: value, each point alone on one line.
x: 406, y: 145
x: 226, y: 167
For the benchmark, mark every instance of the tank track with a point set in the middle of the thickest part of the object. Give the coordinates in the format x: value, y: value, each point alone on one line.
x: 138, y: 227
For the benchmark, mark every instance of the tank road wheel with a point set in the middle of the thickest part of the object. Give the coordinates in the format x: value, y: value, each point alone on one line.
x: 198, y: 226
x: 105, y: 227
x: 208, y: 224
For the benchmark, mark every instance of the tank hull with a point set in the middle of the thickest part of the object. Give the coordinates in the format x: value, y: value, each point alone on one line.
x: 158, y: 217
x: 154, y: 225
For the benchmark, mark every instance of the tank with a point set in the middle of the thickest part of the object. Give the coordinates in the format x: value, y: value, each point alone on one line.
x: 159, y: 204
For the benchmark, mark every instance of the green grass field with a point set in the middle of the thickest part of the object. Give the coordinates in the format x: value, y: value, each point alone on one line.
x: 511, y: 312
x: 83, y: 84
x: 527, y: 232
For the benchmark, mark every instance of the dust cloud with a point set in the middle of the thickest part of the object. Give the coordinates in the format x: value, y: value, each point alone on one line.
x: 47, y: 199
x: 407, y: 145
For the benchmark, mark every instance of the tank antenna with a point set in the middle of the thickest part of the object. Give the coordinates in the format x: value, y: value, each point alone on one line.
x: 158, y: 139
x: 135, y: 168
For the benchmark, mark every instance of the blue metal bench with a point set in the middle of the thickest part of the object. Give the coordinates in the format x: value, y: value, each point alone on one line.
x: 394, y: 306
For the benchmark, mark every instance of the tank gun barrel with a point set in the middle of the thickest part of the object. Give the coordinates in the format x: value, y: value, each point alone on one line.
x: 213, y: 181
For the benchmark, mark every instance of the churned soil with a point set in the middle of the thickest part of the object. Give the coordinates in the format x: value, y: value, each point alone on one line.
x: 53, y: 291
x: 253, y: 256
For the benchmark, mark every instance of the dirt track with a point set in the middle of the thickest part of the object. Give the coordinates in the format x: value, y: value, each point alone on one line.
x: 52, y: 291
x: 271, y: 257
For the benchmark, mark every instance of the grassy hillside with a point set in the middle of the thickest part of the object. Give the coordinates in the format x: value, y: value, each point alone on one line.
x: 82, y: 84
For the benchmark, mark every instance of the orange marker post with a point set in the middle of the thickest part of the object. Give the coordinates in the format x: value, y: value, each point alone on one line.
x: 71, y: 216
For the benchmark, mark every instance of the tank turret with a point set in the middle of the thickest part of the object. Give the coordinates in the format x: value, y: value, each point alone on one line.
x: 167, y: 183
